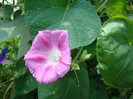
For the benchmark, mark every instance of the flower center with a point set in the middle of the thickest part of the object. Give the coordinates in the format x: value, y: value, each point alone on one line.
x: 54, y: 56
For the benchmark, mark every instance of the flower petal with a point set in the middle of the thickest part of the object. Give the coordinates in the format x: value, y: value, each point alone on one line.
x: 3, y: 54
x: 63, y: 41
x: 39, y: 73
x: 49, y: 75
x: 42, y: 42
x: 62, y: 69
x: 65, y: 59
x: 45, y: 37
x: 66, y: 56
x: 34, y: 63
x: 56, y: 34
x: 5, y: 61
x: 35, y: 54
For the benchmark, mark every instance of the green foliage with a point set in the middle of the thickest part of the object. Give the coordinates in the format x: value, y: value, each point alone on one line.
x: 66, y: 87
x: 6, y: 11
x: 26, y: 96
x: 117, y: 7
x: 10, y: 28
x: 91, y: 49
x: 24, y: 46
x: 17, y: 13
x: 79, y: 18
x: 114, y: 52
x: 96, y: 91
x: 6, y: 70
x: 24, y: 81
x: 82, y: 20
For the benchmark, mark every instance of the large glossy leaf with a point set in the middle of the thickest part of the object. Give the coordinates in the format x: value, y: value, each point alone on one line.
x: 115, y: 52
x: 79, y: 18
x: 24, y: 81
x: 66, y: 87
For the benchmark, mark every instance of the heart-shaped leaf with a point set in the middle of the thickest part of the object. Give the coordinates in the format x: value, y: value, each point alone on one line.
x: 115, y: 52
x: 79, y: 18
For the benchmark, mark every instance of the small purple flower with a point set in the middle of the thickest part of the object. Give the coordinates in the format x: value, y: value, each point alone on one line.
x: 8, y: 43
x: 2, y: 57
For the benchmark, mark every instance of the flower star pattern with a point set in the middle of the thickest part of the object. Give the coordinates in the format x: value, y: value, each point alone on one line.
x: 2, y: 57
x: 49, y: 57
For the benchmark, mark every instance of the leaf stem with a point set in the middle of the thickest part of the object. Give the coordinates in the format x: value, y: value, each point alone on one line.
x: 11, y: 79
x: 80, y: 61
x: 80, y: 50
x: 14, y: 47
x: 102, y: 5
x: 7, y: 90
x: 130, y: 5
x: 76, y: 57
x: 102, y: 13
x: 77, y: 77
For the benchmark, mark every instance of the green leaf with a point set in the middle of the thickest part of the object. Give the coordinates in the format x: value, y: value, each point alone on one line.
x: 24, y: 81
x: 115, y: 52
x: 10, y: 29
x: 96, y: 92
x: 17, y: 14
x: 130, y: 16
x: 117, y: 7
x: 25, y: 96
x: 6, y: 11
x: 24, y: 47
x: 79, y: 18
x: 91, y: 49
x: 131, y: 97
x: 116, y: 97
x: 66, y: 87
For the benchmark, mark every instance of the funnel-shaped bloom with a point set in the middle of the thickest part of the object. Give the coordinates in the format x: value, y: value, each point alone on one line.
x: 49, y: 57
x: 2, y: 57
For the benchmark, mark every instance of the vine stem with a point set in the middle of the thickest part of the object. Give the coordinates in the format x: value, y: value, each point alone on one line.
x: 77, y: 78
x: 3, y: 2
x: 102, y: 5
x: 7, y: 90
x: 130, y: 5
x: 80, y: 50
x: 124, y: 93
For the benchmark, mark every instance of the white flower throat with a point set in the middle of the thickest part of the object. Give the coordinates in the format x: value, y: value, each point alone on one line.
x: 54, y: 56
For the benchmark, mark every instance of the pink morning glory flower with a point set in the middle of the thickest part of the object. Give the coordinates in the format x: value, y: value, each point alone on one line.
x: 49, y: 57
x: 2, y: 57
